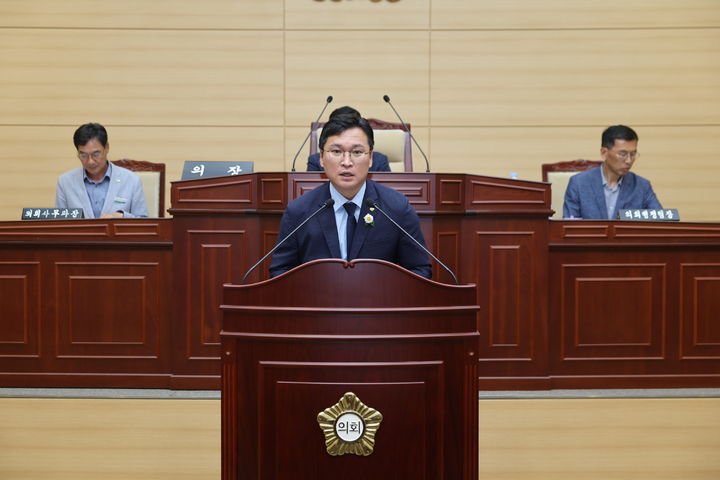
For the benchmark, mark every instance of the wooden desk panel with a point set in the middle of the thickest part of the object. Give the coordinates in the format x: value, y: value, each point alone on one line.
x: 85, y: 303
x: 634, y: 304
x: 572, y: 304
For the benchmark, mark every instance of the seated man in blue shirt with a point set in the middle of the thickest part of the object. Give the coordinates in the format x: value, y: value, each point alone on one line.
x: 601, y: 192
x: 379, y: 161
x: 101, y: 189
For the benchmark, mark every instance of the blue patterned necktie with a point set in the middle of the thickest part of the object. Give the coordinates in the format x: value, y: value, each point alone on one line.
x: 350, y: 227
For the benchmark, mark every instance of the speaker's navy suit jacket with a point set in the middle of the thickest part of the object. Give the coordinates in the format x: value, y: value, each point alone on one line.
x: 319, y: 237
x: 380, y: 163
x: 585, y: 195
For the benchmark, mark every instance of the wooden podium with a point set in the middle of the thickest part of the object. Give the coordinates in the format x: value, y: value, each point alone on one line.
x: 405, y: 346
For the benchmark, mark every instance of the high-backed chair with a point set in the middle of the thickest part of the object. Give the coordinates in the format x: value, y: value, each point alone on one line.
x: 391, y: 139
x: 559, y: 174
x: 152, y: 176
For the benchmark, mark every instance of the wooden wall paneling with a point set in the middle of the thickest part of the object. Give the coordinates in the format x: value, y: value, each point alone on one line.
x: 445, y: 243
x: 559, y: 14
x: 108, y: 310
x: 689, y: 185
x: 501, y: 195
x: 507, y: 323
x: 611, y: 316
x: 21, y: 299
x: 620, y: 315
x: 141, y: 77
x: 549, y: 78
x: 372, y: 64
x: 699, y: 310
x: 93, y: 307
x: 613, y: 310
x: 212, y: 251
x: 32, y: 158
x: 510, y: 266
x: 498, y: 151
x: 363, y: 15
x: 137, y: 14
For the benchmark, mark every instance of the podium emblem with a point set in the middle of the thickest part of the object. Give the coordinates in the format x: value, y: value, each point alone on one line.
x: 349, y: 426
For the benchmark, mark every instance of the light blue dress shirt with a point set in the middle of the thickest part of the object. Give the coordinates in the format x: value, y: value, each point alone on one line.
x: 341, y: 216
x: 611, y: 194
x: 97, y: 191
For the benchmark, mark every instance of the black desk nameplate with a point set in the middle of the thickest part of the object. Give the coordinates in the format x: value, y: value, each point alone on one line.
x: 195, y: 169
x: 52, y: 213
x: 649, y: 214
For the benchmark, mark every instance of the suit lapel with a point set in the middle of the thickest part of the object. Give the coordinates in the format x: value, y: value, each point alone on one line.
x: 327, y: 222
x: 362, y: 230
x: 84, y: 197
x: 599, y: 193
x: 113, y: 188
x: 626, y: 187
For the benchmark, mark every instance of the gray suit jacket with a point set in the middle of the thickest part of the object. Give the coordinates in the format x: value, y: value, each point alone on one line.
x: 124, y: 194
x: 585, y: 197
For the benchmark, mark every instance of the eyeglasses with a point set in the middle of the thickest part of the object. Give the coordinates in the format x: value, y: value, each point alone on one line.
x: 96, y: 155
x: 337, y: 154
x: 624, y: 154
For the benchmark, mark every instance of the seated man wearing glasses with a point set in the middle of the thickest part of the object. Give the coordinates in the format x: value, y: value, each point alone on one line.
x: 349, y: 229
x: 102, y: 189
x: 601, y: 192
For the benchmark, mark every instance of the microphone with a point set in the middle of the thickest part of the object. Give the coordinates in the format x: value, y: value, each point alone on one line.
x: 328, y: 203
x: 373, y: 204
x: 327, y: 102
x: 427, y: 164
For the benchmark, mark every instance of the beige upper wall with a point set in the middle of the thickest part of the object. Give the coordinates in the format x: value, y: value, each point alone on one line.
x: 490, y: 87
x: 583, y: 14
x: 141, y: 14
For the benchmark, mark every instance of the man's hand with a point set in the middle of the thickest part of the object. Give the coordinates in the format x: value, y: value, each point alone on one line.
x: 112, y: 215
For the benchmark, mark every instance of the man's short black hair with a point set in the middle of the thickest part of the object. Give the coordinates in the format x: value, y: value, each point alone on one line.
x: 339, y: 123
x: 617, y: 132
x: 87, y: 132
x: 346, y: 110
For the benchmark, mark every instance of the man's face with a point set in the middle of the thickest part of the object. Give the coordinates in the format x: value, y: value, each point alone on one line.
x: 620, y: 158
x: 93, y: 157
x: 343, y: 162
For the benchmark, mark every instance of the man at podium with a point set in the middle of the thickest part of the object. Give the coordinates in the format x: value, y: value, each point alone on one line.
x: 350, y: 228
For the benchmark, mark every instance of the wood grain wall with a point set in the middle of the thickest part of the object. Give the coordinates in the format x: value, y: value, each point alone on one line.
x: 491, y: 87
